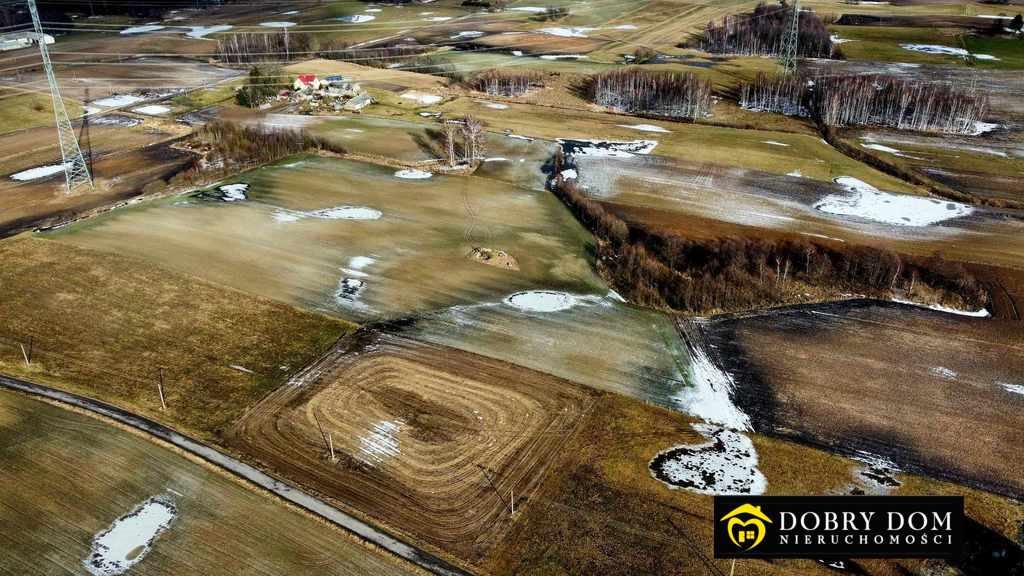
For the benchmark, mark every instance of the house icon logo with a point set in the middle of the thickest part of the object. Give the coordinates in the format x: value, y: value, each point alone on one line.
x: 746, y: 526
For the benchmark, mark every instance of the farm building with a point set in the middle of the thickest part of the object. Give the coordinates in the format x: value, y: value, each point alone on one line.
x: 358, y: 103
x: 306, y: 81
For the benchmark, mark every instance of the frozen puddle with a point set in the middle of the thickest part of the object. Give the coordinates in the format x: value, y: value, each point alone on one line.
x: 37, y: 172
x: 152, y: 110
x: 412, y: 174
x: 541, y: 301
x: 865, y: 201
x: 117, y: 100
x: 335, y: 213
x: 645, y: 128
x: 356, y: 18
x: 607, y: 149
x: 129, y: 538
x: 725, y: 464
x: 380, y: 443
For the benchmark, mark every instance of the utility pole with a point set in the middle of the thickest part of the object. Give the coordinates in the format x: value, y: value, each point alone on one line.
x: 75, y: 169
x: 787, y: 59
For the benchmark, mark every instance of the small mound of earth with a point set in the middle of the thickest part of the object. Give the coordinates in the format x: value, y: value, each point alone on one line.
x: 496, y: 258
x: 726, y: 464
x: 541, y: 301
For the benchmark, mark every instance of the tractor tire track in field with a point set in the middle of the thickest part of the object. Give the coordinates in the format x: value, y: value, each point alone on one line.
x: 213, y: 456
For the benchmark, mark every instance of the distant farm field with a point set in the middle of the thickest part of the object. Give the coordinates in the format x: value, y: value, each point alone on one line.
x: 105, y: 326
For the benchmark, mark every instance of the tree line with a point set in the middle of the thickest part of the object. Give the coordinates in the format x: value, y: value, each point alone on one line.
x: 881, y: 100
x: 669, y: 271
x: 762, y: 32
x: 508, y: 83
x: 660, y: 93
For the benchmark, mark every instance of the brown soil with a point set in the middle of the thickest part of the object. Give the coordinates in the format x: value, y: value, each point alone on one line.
x: 461, y: 425
x: 496, y: 258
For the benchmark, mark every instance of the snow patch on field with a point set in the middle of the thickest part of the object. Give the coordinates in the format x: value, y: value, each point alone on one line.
x: 569, y: 174
x: 203, y: 31
x: 233, y: 192
x: 607, y: 148
x: 625, y: 27
x: 795, y: 174
x: 421, y: 97
x: 466, y: 34
x: 413, y: 174
x: 774, y: 143
x: 277, y: 24
x: 152, y: 110
x: 709, y: 393
x: 889, y: 150
x: 129, y: 538
x: 863, y: 200
x: 531, y: 9
x: 837, y: 40
x: 37, y: 172
x: 936, y: 49
x: 577, y: 32
x: 945, y: 373
x: 981, y: 313
x: 985, y: 57
x: 541, y: 301
x: 983, y: 127
x: 1013, y: 388
x: 117, y: 100
x: 356, y: 18
x: 381, y: 442
x: 438, y: 18
x: 878, y: 473
x: 645, y: 128
x: 563, y: 57
x: 336, y: 213
x: 725, y: 464
x: 142, y: 29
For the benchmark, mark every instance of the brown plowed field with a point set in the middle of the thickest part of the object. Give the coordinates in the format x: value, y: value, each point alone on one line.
x: 426, y: 437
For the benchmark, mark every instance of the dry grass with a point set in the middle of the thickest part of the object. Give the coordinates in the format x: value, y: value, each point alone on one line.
x: 104, y: 325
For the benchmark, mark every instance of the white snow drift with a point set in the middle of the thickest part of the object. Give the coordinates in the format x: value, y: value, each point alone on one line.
x: 421, y: 97
x: 645, y: 128
x: 413, y: 174
x: 37, y: 172
x: 234, y: 192
x: 152, y: 110
x: 335, y: 213
x: 863, y: 200
x: 541, y: 301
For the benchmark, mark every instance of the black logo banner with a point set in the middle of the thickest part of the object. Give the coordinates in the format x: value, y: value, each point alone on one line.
x: 838, y: 526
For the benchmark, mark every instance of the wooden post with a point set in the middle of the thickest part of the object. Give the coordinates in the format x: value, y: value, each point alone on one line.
x: 160, y: 389
x: 330, y: 445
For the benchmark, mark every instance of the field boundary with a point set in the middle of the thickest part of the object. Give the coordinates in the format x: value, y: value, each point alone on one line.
x: 244, y: 471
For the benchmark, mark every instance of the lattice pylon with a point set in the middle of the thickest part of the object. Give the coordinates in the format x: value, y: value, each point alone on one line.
x: 75, y: 169
x: 787, y: 59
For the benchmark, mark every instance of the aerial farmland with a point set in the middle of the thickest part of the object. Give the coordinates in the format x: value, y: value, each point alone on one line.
x: 505, y: 287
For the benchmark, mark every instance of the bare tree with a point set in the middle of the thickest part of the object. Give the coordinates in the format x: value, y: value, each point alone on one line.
x: 451, y: 129
x: 473, y: 133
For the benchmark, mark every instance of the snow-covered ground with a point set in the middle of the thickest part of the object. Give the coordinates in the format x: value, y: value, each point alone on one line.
x: 982, y: 313
x: 413, y: 174
x: 606, y: 148
x: 380, y: 443
x: 203, y: 31
x: 421, y: 97
x: 725, y: 464
x: 37, y: 172
x: 863, y: 200
x: 356, y: 18
x: 645, y: 128
x: 130, y: 537
x: 577, y: 32
x: 234, y: 192
x: 709, y: 392
x: 335, y: 213
x: 151, y: 27
x: 541, y: 301
x: 117, y: 100
x: 152, y: 110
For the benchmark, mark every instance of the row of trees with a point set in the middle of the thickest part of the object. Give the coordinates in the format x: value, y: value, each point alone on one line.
x: 231, y: 144
x: 659, y: 93
x: 670, y: 271
x: 872, y: 99
x: 248, y: 47
x: 474, y: 140
x: 762, y: 33
x: 506, y: 82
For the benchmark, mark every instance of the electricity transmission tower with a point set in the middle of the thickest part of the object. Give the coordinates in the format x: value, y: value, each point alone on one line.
x: 789, y: 42
x: 75, y: 168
